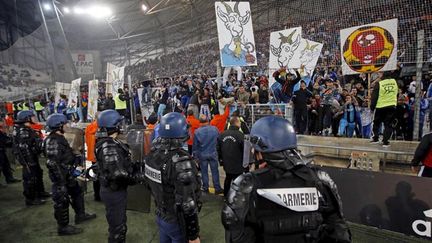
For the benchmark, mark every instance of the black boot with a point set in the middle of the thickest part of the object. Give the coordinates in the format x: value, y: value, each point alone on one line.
x: 35, y: 202
x: 69, y: 230
x: 12, y: 180
x: 84, y: 217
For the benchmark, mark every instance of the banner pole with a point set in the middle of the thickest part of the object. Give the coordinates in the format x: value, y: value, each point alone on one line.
x: 369, y: 88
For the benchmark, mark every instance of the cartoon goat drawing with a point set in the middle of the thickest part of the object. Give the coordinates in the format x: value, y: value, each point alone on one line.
x: 235, y: 51
x: 286, y: 48
x: 308, y: 55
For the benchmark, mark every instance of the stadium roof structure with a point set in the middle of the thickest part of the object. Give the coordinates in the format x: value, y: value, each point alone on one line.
x: 166, y: 24
x: 131, y: 33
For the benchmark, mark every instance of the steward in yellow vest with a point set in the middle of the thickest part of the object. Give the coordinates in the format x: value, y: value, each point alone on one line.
x: 119, y: 103
x: 25, y: 107
x: 385, y: 94
x: 383, y: 102
x: 38, y: 106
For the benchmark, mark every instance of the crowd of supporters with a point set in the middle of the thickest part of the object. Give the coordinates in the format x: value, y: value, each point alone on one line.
x: 331, y: 105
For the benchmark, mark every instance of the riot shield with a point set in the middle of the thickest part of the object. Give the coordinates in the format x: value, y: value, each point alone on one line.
x: 75, y: 138
x: 138, y: 195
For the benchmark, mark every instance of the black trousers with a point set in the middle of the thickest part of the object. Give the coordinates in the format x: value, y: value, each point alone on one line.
x: 63, y: 195
x: 96, y: 190
x: 5, y: 167
x: 383, y: 115
x: 32, y: 182
x: 40, y: 115
x: 228, y: 179
x: 115, y: 212
x: 301, y: 118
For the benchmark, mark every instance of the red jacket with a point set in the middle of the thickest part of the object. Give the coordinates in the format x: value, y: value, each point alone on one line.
x: 219, y: 121
x: 194, y: 124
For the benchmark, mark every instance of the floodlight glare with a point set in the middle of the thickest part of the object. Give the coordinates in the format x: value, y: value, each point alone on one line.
x: 66, y: 10
x: 78, y: 10
x: 47, y: 6
x: 99, y: 11
x: 143, y: 7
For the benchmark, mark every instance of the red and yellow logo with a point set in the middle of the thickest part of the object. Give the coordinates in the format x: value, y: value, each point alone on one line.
x: 368, y: 49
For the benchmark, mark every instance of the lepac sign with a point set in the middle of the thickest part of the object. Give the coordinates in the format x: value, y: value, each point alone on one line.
x: 83, y: 63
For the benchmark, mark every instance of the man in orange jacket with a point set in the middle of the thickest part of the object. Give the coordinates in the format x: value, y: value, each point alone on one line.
x: 90, y: 139
x: 38, y: 128
x: 193, y: 125
x: 9, y: 122
x: 219, y: 121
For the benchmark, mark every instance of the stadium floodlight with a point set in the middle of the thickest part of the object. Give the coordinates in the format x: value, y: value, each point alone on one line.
x: 78, y: 10
x: 66, y: 10
x: 99, y: 11
x: 144, y: 7
x: 47, y: 6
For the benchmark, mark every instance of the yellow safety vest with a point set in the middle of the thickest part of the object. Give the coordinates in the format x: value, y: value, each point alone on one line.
x: 119, y: 104
x: 388, y: 90
x: 38, y: 106
x: 19, y: 107
x: 241, y: 120
x: 25, y: 107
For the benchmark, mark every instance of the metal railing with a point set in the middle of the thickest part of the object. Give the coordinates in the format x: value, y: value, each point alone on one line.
x: 253, y: 112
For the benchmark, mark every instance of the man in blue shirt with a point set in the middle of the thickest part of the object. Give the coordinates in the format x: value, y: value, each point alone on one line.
x: 204, y: 149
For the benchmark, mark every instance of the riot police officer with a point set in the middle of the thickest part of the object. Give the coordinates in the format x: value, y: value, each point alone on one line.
x: 63, y: 166
x: 173, y: 179
x: 26, y: 148
x: 114, y: 173
x: 285, y: 200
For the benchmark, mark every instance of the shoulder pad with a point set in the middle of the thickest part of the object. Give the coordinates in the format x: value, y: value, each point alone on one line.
x: 237, y: 203
x: 328, y: 182
x: 109, y: 151
x: 326, y: 179
x: 184, y: 168
x: 242, y: 185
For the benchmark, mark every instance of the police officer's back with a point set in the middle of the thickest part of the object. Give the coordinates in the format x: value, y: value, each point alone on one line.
x: 286, y: 200
x: 173, y: 178
x: 61, y: 163
x: 114, y: 172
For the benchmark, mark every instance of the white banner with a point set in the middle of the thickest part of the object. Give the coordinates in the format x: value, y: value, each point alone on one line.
x: 83, y: 63
x: 236, y: 39
x: 93, y: 95
x: 115, y: 79
x: 109, y: 78
x: 74, y: 92
x: 369, y: 48
x: 61, y: 89
x: 308, y: 54
x: 283, y: 45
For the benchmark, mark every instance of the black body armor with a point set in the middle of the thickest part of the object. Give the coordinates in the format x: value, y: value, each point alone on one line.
x: 173, y: 178
x: 276, y: 205
x: 26, y: 145
x: 61, y: 160
x: 114, y: 164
